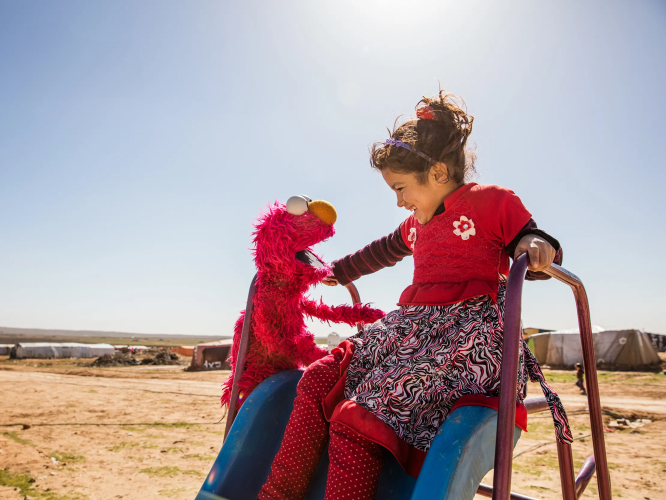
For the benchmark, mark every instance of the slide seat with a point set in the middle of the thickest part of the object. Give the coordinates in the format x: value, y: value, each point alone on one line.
x: 461, y: 454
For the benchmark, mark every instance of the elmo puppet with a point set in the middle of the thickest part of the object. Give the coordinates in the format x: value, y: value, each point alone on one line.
x: 286, y: 269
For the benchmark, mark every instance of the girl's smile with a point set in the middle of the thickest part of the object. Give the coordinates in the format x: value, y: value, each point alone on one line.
x: 421, y: 199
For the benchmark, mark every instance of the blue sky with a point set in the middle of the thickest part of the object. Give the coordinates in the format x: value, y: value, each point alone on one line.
x: 139, y: 140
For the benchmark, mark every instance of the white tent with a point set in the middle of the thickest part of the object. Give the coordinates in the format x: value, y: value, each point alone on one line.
x: 4, y: 349
x: 47, y: 350
x: 613, y: 349
x: 333, y: 341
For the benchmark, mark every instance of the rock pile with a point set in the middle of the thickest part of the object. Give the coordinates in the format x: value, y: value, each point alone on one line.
x: 163, y: 357
x: 117, y: 359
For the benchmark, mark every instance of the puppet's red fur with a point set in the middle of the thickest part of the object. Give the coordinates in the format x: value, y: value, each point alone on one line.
x: 280, y: 339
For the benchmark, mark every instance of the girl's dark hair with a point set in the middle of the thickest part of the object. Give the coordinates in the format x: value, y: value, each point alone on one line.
x: 443, y: 138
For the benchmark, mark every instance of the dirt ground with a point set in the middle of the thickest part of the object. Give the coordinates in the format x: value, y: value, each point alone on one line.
x: 154, y: 431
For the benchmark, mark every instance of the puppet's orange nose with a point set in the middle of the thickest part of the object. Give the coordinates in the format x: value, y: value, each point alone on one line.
x: 324, y: 211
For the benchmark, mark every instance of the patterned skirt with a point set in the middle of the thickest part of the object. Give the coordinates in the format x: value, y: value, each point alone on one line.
x: 410, y: 368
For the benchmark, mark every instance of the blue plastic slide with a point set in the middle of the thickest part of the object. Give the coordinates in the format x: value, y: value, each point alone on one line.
x: 461, y: 455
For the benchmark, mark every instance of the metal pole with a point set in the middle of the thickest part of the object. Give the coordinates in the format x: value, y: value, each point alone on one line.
x: 591, y: 382
x: 356, y: 298
x: 565, y: 458
x: 508, y: 380
x: 584, y: 475
x: 240, y: 357
x: 487, y: 491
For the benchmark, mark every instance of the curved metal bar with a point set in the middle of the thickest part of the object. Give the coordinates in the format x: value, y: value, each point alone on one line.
x: 487, y: 491
x: 240, y: 357
x: 353, y: 291
x: 584, y: 475
x: 508, y: 385
x: 356, y: 297
x: 535, y: 405
x: 508, y: 380
x: 591, y: 382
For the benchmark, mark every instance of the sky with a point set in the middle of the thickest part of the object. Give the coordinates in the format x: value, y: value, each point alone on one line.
x: 140, y: 140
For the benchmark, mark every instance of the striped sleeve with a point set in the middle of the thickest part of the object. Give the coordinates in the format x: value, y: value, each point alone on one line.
x: 381, y: 253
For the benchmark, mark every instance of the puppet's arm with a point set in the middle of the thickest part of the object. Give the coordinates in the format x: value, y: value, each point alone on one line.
x: 358, y: 313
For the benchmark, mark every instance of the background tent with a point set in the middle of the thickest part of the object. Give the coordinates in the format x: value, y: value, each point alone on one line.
x: 333, y: 341
x: 47, y: 350
x: 4, y: 349
x: 658, y: 341
x: 184, y: 350
x: 613, y: 349
x: 212, y: 356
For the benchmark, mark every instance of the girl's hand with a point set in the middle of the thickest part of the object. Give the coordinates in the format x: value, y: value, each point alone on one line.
x: 330, y: 281
x: 540, y: 252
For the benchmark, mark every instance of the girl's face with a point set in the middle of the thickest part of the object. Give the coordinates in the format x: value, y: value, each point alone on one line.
x: 422, y: 199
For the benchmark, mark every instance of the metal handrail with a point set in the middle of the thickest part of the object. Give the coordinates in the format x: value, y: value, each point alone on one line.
x: 591, y: 380
x: 509, y: 387
x: 356, y: 298
x: 240, y: 357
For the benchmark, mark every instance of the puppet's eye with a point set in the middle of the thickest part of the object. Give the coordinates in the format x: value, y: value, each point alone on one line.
x: 297, y: 205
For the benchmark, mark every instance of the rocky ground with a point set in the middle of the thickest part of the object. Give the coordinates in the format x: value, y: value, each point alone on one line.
x: 71, y: 431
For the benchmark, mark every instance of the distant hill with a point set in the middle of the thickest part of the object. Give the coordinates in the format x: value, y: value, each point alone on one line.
x: 10, y: 335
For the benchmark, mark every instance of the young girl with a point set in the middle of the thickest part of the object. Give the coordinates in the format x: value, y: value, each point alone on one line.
x: 394, y: 383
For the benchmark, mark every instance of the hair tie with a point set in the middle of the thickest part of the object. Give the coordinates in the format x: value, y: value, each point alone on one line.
x: 425, y: 113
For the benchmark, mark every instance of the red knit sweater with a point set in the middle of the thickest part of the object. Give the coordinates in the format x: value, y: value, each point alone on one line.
x: 453, y: 262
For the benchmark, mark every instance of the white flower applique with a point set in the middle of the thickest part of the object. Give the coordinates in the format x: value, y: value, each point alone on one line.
x: 412, y: 237
x: 464, y: 228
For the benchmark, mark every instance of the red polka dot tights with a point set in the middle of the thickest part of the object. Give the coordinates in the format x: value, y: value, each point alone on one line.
x: 355, y: 462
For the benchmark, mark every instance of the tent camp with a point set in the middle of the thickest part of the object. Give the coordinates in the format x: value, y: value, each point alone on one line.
x: 613, y: 349
x: 133, y: 349
x: 658, y: 341
x: 184, y: 350
x: 48, y: 350
x: 333, y: 341
x: 212, y: 356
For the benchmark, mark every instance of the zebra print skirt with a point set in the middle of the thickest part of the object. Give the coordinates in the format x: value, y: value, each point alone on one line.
x: 410, y: 367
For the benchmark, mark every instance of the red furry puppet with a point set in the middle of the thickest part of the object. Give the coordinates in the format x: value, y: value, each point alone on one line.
x: 286, y: 269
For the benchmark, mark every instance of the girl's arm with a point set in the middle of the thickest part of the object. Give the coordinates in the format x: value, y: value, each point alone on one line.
x: 384, y: 252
